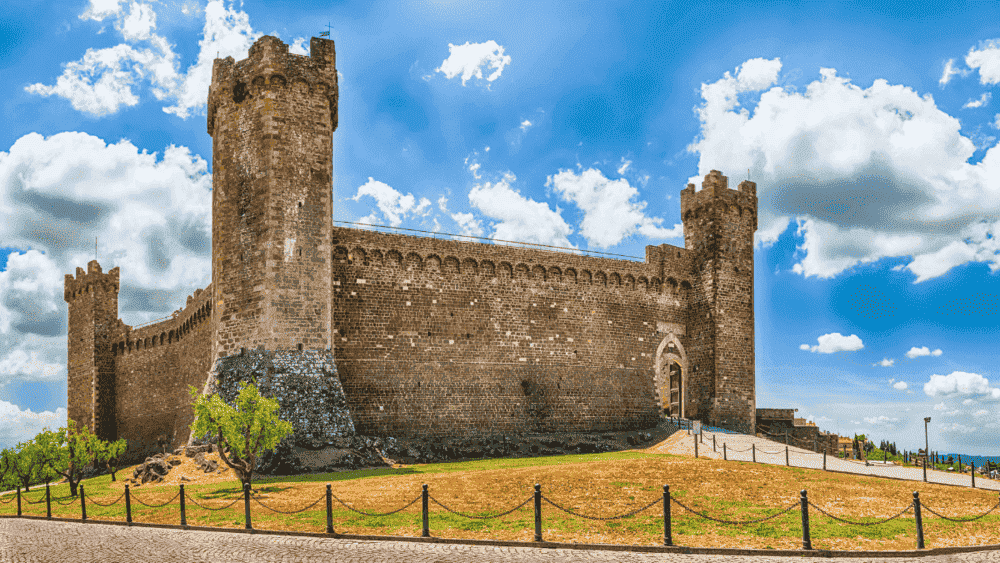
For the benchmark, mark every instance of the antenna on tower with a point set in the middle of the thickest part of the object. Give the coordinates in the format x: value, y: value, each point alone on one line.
x: 327, y: 32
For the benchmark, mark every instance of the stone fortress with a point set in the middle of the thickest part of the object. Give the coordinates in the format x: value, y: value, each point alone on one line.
x: 381, y: 334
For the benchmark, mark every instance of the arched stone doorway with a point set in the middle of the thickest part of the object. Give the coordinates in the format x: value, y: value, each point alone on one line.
x: 671, y: 376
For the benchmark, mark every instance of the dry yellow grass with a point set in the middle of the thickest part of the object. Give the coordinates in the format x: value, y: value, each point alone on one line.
x: 603, y: 486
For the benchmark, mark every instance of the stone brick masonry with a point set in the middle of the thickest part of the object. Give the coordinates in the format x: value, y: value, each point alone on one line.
x: 432, y: 338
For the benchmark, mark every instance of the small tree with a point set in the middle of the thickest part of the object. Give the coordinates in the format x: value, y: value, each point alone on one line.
x: 25, y: 465
x: 111, y: 453
x: 244, y: 431
x: 68, y: 452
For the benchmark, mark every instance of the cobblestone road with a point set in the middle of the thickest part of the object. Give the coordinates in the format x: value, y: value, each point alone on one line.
x: 24, y: 541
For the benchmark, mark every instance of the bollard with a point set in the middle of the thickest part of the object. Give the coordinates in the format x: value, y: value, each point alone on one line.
x: 48, y: 503
x: 426, y: 532
x: 973, y: 473
x: 538, y: 512
x: 713, y: 444
x: 824, y: 460
x: 925, y: 469
x: 19, y: 500
x: 753, y: 452
x: 696, y: 448
x: 725, y: 457
x: 960, y: 464
x: 128, y: 507
x: 246, y: 504
x: 329, y: 509
x: 920, y: 521
x: 667, y: 538
x: 885, y: 456
x: 83, y: 505
x: 184, y: 521
x: 806, y: 541
x: 786, y: 457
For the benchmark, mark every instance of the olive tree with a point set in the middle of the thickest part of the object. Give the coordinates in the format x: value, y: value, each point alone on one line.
x: 69, y: 451
x: 243, y: 431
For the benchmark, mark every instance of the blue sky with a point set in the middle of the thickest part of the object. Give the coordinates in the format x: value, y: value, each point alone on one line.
x: 871, y: 134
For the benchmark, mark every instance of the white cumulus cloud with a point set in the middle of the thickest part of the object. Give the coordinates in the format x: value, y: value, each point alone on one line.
x: 469, y: 60
x: 886, y: 362
x: 18, y: 425
x: 835, y: 342
x: 880, y: 420
x: 519, y: 218
x: 393, y: 204
x: 866, y: 173
x: 99, y: 10
x: 985, y: 59
x: 610, y: 208
x: 525, y: 125
x: 957, y: 383
x: 922, y: 351
x: 982, y: 101
x: 900, y: 386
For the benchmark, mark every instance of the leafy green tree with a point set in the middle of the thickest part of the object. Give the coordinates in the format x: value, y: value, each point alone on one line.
x: 25, y: 465
x: 111, y: 453
x: 68, y: 452
x: 244, y: 432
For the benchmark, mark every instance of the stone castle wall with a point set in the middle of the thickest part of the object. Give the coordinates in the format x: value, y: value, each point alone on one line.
x: 439, y: 337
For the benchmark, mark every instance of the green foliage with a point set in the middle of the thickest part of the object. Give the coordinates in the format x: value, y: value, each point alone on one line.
x: 24, y: 465
x: 244, y: 431
x: 68, y: 451
x: 110, y: 454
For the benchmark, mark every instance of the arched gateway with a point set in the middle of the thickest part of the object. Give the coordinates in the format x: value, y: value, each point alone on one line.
x: 671, y: 376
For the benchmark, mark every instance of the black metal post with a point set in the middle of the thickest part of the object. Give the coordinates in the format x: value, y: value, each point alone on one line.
x: 920, y: 521
x: 753, y: 452
x: 696, y: 447
x: 725, y: 456
x: 713, y: 444
x: 973, y: 473
x: 824, y: 460
x: 806, y: 541
x: 184, y: 522
x: 960, y: 464
x: 538, y: 512
x: 885, y: 456
x: 426, y: 531
x: 48, y: 503
x: 128, y: 506
x: 786, y: 456
x: 329, y: 509
x: 83, y: 505
x: 925, y: 469
x: 667, y: 538
x: 246, y: 504
x: 19, y: 500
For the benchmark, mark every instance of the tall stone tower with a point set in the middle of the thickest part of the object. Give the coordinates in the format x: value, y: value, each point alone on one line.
x: 93, y: 310
x: 719, y: 225
x: 272, y: 118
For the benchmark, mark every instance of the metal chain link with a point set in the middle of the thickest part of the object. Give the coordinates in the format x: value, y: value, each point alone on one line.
x: 770, y: 453
x: 155, y: 505
x: 378, y: 513
x: 12, y: 499
x: 71, y: 500
x: 970, y: 519
x: 765, y: 519
x: 191, y: 498
x: 909, y: 506
x: 90, y: 499
x: 735, y: 450
x: 634, y: 512
x: 282, y: 511
x: 481, y: 517
x: 40, y: 501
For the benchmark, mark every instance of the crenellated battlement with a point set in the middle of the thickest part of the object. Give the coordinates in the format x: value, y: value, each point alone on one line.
x: 91, y: 280
x: 270, y: 70
x: 715, y: 194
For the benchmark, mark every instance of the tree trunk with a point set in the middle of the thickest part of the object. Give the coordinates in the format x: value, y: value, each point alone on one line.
x: 72, y: 487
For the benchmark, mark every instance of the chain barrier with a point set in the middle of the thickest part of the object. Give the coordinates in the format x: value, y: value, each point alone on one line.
x: 970, y: 519
x: 909, y: 506
x: 736, y: 522
x: 436, y: 501
x: 70, y: 501
x: 191, y: 498
x: 730, y: 448
x: 136, y: 499
x: 39, y: 501
x: 770, y: 453
x: 91, y: 499
x: 634, y: 512
x: 282, y: 511
x: 378, y: 513
x: 12, y: 499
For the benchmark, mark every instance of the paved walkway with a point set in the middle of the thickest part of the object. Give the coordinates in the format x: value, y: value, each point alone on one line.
x: 26, y: 541
x: 772, y: 452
